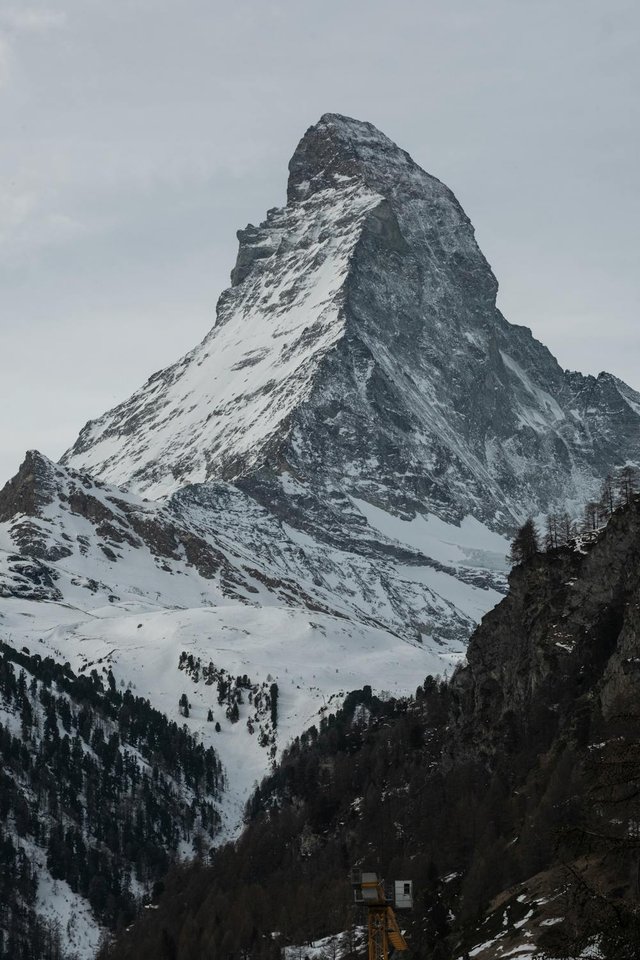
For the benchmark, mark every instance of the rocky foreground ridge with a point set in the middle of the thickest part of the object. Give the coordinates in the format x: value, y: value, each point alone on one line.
x: 509, y: 794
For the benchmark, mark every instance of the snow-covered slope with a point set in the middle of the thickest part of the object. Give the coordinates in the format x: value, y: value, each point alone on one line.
x: 174, y: 607
x: 95, y: 576
x: 217, y: 410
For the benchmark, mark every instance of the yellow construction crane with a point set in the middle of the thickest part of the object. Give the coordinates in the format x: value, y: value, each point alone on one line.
x: 379, y: 898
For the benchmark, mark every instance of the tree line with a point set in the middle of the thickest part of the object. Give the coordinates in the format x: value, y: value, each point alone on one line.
x: 102, y: 784
x: 261, y: 699
x: 618, y: 490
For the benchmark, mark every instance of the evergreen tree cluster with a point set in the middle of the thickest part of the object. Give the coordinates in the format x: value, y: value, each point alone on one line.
x: 22, y: 935
x: 106, y: 787
x: 618, y: 491
x: 351, y: 791
x: 261, y: 699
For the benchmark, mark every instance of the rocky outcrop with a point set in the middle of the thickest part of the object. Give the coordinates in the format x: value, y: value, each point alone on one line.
x: 568, y: 625
x: 30, y: 490
x: 62, y: 522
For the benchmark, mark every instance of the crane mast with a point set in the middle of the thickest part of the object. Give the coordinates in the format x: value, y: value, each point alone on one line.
x: 379, y: 899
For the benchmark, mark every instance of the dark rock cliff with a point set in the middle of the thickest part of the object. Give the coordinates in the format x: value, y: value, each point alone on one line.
x: 509, y: 795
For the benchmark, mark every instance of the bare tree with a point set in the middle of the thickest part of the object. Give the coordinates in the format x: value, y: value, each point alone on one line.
x: 607, y: 496
x: 627, y: 482
x: 551, y: 532
x: 566, y: 528
x: 591, y: 515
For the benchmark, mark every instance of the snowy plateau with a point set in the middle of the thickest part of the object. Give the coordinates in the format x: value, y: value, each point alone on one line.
x: 320, y: 494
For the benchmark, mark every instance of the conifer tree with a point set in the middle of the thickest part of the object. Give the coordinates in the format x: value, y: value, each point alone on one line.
x: 591, y: 516
x: 525, y: 544
x: 273, y: 692
x: 566, y: 527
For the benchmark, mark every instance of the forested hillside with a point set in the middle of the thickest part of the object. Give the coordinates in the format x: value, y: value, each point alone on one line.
x: 509, y: 795
x: 98, y: 792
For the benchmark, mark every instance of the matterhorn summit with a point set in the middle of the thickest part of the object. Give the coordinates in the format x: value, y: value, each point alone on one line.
x: 360, y: 349
x: 362, y: 418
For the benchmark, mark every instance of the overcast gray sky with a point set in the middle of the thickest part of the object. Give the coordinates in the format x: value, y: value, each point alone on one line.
x: 139, y: 135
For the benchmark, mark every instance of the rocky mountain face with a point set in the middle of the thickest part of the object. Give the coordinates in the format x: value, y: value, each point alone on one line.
x: 79, y: 534
x: 359, y: 351
x: 509, y: 794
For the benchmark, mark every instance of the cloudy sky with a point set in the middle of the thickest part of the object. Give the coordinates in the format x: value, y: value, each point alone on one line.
x: 139, y: 135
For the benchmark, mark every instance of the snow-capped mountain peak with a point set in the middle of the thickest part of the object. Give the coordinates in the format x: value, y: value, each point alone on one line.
x: 360, y: 390
x: 224, y: 407
x: 359, y: 348
x: 339, y: 148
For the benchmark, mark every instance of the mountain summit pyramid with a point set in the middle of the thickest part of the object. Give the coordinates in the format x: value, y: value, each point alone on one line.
x: 362, y: 420
x: 359, y: 350
x: 349, y: 447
